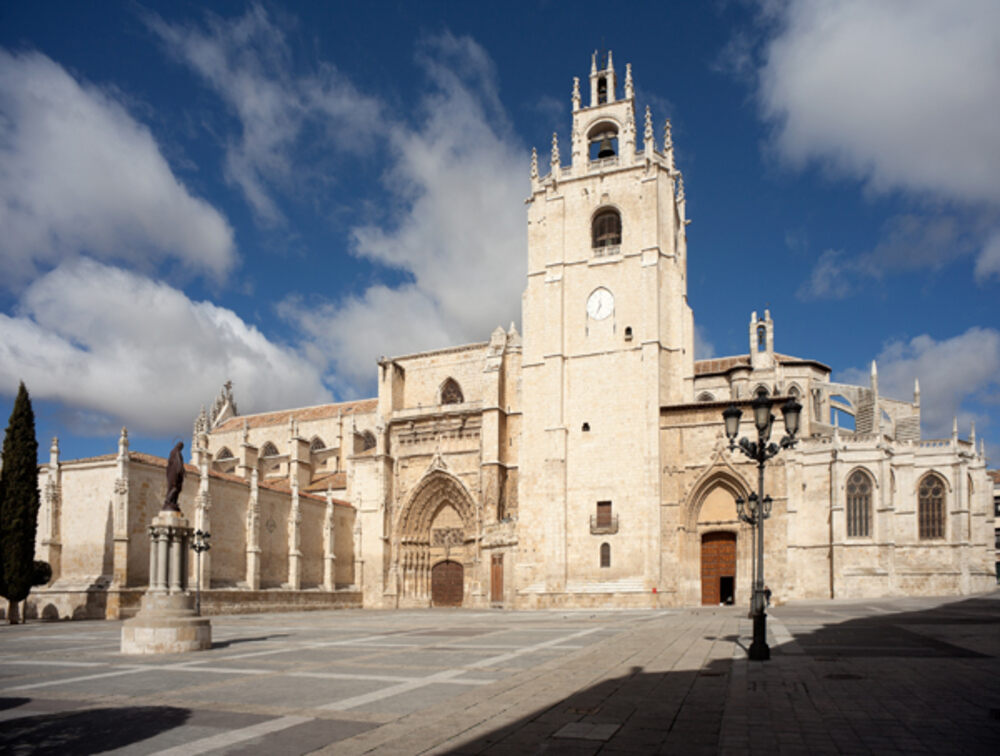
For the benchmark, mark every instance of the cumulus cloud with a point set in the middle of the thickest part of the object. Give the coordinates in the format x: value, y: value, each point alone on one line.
x: 954, y: 375
x: 248, y: 63
x: 459, y: 177
x: 79, y: 174
x: 105, y: 340
x: 908, y: 242
x: 900, y: 94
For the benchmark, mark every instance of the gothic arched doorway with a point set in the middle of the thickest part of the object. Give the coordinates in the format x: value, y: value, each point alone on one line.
x: 435, y: 543
x: 446, y: 584
x: 718, y: 568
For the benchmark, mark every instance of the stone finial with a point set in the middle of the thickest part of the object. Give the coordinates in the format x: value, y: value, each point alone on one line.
x: 576, y: 93
x: 668, y: 139
x: 647, y: 133
x: 972, y: 435
x: 54, y: 452
x: 629, y: 88
x: 982, y: 447
x: 611, y: 62
x: 916, y: 391
x: 680, y: 189
x: 555, y: 150
x: 534, y: 164
x: 593, y: 62
x: 954, y: 427
x: 246, y: 432
x: 122, y: 443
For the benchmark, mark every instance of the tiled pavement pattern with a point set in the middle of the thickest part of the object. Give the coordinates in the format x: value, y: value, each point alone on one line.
x: 900, y: 676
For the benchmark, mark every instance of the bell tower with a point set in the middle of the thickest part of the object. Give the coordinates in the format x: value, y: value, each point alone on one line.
x: 608, y: 340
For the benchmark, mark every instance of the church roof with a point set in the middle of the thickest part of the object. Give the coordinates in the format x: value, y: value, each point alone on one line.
x: 319, y: 412
x: 721, y: 365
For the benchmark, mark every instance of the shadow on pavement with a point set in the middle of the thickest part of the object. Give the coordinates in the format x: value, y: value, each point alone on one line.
x: 84, y: 731
x: 257, y: 639
x: 900, y: 682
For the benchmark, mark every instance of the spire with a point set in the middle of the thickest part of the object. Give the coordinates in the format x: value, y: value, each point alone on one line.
x: 611, y: 63
x: 534, y: 164
x: 593, y: 63
x: 647, y: 134
x: 629, y: 89
x: 972, y: 435
x: 954, y: 428
x: 668, y: 146
x: 555, y: 150
x: 576, y: 93
x: 916, y: 391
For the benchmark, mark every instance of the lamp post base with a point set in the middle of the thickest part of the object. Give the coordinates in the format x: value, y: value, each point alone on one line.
x: 759, y: 650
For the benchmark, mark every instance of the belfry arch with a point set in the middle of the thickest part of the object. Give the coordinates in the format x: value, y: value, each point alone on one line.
x: 437, y: 525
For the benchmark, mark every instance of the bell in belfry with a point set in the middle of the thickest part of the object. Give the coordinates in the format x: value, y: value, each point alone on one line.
x: 606, y: 150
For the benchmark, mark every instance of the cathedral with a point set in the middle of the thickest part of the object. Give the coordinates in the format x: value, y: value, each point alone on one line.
x: 581, y: 463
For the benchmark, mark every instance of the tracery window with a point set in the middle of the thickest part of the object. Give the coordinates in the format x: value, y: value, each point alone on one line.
x: 451, y: 392
x: 606, y: 230
x: 705, y: 396
x: 224, y: 453
x: 859, y: 505
x: 605, y: 555
x: 269, y: 450
x: 930, y: 507
x: 316, y: 444
x: 367, y: 441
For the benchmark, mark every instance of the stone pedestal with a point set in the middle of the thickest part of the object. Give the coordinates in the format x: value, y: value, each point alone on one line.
x: 166, y: 622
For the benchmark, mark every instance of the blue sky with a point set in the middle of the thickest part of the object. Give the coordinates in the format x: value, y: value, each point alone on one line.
x: 279, y: 194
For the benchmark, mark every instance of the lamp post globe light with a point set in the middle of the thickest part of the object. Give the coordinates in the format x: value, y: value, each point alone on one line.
x: 758, y: 508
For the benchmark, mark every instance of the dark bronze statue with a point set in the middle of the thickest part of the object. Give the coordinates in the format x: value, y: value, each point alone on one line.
x: 175, y: 478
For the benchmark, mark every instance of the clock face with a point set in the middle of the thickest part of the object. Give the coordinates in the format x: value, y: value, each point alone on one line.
x: 600, y: 304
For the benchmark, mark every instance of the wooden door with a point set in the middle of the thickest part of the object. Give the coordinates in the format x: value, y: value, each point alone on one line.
x: 718, y: 561
x: 446, y: 584
x: 496, y: 580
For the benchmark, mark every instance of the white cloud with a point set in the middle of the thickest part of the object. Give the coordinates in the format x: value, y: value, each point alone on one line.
x: 988, y: 263
x: 951, y: 371
x: 901, y: 94
x: 248, y: 63
x: 112, y: 342
x: 460, y: 179
x: 79, y: 174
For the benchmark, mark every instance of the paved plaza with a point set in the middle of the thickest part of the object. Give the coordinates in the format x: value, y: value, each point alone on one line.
x: 913, y: 675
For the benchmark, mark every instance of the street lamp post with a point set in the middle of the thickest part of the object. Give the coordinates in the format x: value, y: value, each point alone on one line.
x: 758, y: 508
x: 199, y: 543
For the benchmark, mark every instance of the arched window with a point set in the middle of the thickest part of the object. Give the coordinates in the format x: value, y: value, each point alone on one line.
x: 705, y: 396
x: 316, y: 444
x: 761, y: 338
x: 269, y: 450
x: 602, y: 90
x: 224, y: 453
x: 859, y: 505
x: 794, y: 391
x: 607, y: 229
x: 451, y: 392
x: 930, y: 507
x: 605, y: 555
x: 761, y: 391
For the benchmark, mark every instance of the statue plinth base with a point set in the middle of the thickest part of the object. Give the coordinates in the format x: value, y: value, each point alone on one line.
x: 166, y: 622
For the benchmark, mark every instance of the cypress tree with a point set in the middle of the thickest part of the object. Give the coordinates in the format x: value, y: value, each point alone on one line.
x: 18, y: 504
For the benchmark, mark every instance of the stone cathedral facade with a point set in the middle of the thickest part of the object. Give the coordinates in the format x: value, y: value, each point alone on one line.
x: 583, y: 463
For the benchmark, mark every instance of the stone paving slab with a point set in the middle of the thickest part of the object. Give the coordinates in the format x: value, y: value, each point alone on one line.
x: 898, y: 676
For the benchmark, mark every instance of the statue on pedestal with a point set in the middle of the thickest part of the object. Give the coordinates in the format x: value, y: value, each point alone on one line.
x: 175, y: 478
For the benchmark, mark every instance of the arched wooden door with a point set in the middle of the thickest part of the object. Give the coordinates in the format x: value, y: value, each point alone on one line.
x: 718, y: 568
x: 446, y: 584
